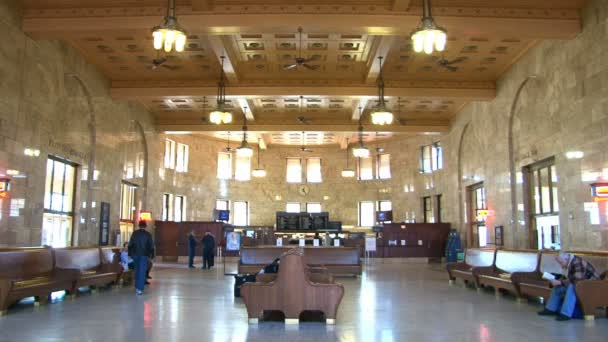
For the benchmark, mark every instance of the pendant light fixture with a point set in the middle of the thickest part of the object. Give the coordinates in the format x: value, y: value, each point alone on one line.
x: 347, y: 172
x: 169, y: 35
x: 381, y: 115
x: 244, y: 150
x: 360, y: 151
x: 219, y: 114
x: 258, y: 172
x: 428, y: 36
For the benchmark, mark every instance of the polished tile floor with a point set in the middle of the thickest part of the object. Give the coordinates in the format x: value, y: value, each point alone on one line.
x: 390, y: 302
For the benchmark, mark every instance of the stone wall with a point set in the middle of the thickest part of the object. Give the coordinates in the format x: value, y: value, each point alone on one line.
x: 55, y: 102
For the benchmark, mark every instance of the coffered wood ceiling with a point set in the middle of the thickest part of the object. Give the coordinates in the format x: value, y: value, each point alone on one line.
x: 343, y: 39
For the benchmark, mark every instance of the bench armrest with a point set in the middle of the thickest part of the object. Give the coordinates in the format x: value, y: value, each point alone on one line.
x: 457, y: 266
x: 110, y: 268
x: 265, y: 278
x: 592, y: 294
x: 320, y: 278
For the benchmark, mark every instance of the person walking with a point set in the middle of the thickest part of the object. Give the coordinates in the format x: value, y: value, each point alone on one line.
x: 141, y: 249
x: 191, y: 249
x: 208, y: 243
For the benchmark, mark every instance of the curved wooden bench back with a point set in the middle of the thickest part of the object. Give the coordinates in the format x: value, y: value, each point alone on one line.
x: 516, y: 261
x: 25, y: 262
x: 81, y: 258
x: 332, y: 256
x: 548, y: 263
x: 479, y: 257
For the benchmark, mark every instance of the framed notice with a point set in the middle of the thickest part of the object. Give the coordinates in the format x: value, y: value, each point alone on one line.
x: 315, y: 242
x: 104, y: 224
x: 233, y: 241
x: 370, y: 244
x: 280, y: 242
x: 336, y: 242
x: 302, y: 242
x: 498, y: 235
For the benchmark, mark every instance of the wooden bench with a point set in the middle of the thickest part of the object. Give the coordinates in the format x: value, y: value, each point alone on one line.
x: 292, y: 292
x: 474, y: 257
x: 506, y: 263
x: 532, y: 284
x: 31, y: 272
x: 112, y: 255
x: 593, y: 294
x: 92, y: 271
x: 337, y: 260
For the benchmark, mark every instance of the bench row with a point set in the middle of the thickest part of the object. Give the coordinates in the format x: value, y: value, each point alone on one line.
x: 520, y: 272
x: 37, y: 272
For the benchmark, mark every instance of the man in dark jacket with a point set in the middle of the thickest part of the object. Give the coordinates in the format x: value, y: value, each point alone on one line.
x: 141, y: 249
x: 191, y: 249
x: 208, y: 243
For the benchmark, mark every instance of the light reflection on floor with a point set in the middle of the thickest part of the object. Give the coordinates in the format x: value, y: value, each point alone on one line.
x: 389, y: 302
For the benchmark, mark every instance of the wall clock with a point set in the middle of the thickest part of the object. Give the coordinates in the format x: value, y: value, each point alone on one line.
x: 303, y: 190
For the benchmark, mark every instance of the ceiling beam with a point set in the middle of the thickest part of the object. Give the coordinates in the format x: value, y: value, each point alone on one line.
x: 532, y: 23
x: 202, y: 5
x: 187, y: 125
x: 484, y: 91
x: 264, y: 141
x: 401, y: 5
x: 343, y: 142
x: 221, y: 48
x: 382, y: 49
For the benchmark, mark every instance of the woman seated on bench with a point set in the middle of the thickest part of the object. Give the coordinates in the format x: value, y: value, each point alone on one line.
x: 563, y: 302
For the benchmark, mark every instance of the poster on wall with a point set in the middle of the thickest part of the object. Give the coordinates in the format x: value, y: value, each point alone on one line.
x: 498, y: 235
x: 233, y: 241
x: 104, y: 224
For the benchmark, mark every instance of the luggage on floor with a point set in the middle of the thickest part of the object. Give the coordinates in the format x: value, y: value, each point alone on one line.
x: 239, y: 280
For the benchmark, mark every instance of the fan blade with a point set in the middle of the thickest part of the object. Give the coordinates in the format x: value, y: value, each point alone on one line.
x: 457, y: 60
x: 308, y: 60
x: 170, y: 67
x: 289, y: 67
x: 310, y: 67
x: 451, y: 68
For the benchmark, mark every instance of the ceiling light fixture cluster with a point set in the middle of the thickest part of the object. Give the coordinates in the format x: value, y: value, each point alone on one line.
x: 428, y: 36
x: 169, y: 35
x: 220, y: 114
x: 381, y: 115
x: 244, y: 150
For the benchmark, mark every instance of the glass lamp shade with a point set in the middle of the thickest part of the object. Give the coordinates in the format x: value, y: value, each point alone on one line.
x: 244, y: 150
x: 218, y: 117
x: 169, y: 38
x: 382, y: 117
x: 348, y: 173
x: 429, y: 39
x: 227, y: 118
x: 361, y: 152
x: 259, y: 173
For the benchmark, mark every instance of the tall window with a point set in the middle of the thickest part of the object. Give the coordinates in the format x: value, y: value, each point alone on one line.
x: 384, y: 166
x: 365, y: 168
x: 180, y: 209
x: 292, y: 207
x: 182, y: 158
x: 294, y: 170
x: 243, y: 168
x: 313, y: 207
x: 58, y: 202
x: 222, y: 204
x: 431, y: 157
x: 241, y: 213
x: 169, y: 154
x: 542, y: 206
x: 167, y: 214
x: 140, y: 164
x: 366, y: 214
x: 478, y: 231
x: 427, y: 209
x: 313, y: 170
x: 224, y: 165
x: 127, y: 201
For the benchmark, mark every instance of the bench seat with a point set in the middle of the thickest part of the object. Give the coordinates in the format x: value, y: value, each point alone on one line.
x: 92, y: 270
x: 507, y: 262
x: 474, y: 257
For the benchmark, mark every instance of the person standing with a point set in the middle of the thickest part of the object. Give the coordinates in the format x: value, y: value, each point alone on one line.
x: 208, y: 243
x: 141, y: 249
x: 191, y: 249
x: 563, y: 301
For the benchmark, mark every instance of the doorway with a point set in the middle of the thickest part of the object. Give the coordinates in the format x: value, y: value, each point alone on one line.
x: 58, y: 216
x: 541, y: 205
x: 128, y: 193
x: 478, y: 231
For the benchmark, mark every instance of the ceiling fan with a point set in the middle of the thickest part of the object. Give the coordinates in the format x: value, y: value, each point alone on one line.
x: 449, y: 65
x: 160, y: 62
x: 303, y: 148
x: 300, y: 61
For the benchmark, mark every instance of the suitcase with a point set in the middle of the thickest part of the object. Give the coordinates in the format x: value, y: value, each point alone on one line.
x: 239, y: 280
